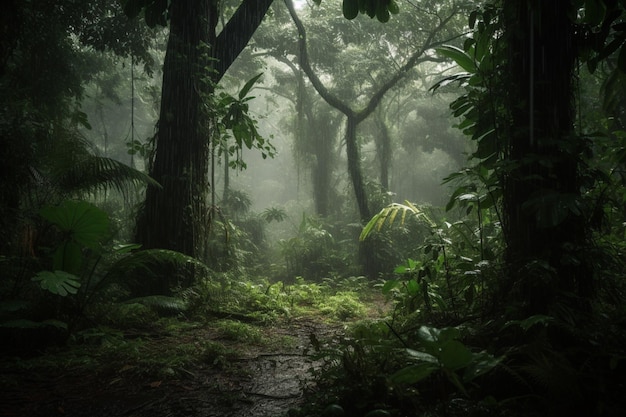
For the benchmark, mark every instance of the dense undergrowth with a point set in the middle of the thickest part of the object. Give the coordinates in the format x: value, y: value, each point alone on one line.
x: 429, y: 338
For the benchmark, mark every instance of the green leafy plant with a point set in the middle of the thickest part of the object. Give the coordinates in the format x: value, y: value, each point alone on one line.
x: 441, y: 352
x: 310, y: 252
x: 82, y: 226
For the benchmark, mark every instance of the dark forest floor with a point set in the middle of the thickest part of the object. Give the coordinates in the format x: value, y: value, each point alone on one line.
x: 237, y: 380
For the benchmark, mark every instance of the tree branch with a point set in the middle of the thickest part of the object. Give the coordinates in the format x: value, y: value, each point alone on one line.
x: 237, y: 33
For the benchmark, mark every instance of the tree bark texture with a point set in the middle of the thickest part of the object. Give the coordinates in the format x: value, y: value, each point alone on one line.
x: 174, y: 217
x: 544, y: 227
x: 170, y: 215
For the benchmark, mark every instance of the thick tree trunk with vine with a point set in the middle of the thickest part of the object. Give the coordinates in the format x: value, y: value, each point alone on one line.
x: 171, y: 216
x: 174, y: 217
x: 545, y: 230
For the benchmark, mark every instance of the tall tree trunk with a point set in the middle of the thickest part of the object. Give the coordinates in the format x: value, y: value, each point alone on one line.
x: 171, y: 215
x: 544, y: 228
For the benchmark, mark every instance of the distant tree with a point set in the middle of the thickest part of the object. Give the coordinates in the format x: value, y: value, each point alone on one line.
x: 382, y: 81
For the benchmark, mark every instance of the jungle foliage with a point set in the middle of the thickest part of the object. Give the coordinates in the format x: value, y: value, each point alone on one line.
x: 506, y: 300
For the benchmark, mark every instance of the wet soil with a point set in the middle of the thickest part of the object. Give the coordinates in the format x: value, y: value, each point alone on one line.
x: 259, y: 382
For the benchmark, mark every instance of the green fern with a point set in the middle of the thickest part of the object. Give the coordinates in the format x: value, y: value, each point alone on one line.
x: 388, y: 216
x: 162, y: 304
x: 69, y: 165
x: 154, y: 271
x: 96, y: 173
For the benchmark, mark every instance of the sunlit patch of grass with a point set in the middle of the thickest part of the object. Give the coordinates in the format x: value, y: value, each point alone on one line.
x: 343, y: 306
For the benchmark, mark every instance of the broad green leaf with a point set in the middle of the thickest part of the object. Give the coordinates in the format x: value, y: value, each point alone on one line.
x: 529, y: 322
x: 454, y: 355
x: 248, y: 86
x: 414, y: 373
x: 472, y: 19
x: 459, y: 56
x: 428, y: 334
x: 382, y: 13
x: 413, y: 287
x: 30, y: 324
x: 389, y: 285
x: 21, y: 324
x: 58, y: 282
x: 482, y: 363
x: 422, y: 356
x: 83, y: 222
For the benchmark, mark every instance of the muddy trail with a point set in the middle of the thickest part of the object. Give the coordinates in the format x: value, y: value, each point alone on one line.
x: 257, y: 381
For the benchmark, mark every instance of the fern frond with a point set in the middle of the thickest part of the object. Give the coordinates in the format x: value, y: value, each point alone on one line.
x: 96, y: 173
x: 155, y: 271
x: 388, y: 216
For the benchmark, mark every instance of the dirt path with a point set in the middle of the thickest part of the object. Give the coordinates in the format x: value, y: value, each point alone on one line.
x: 259, y: 383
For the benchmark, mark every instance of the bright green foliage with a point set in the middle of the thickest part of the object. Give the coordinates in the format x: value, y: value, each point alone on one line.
x: 389, y: 213
x: 232, y: 115
x: 344, y: 305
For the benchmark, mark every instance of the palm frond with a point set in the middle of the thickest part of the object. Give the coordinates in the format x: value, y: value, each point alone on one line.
x: 96, y: 173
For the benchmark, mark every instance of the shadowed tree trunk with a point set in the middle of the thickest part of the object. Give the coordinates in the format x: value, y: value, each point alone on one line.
x: 545, y: 229
x: 173, y: 217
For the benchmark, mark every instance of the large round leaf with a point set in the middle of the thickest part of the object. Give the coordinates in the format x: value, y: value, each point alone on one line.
x: 83, y: 222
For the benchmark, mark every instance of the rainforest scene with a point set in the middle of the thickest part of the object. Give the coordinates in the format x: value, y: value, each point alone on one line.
x: 313, y: 208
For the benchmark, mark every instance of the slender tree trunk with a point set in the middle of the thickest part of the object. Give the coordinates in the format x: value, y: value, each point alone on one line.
x: 172, y: 215
x: 545, y: 231
x: 354, y: 167
x: 323, y: 148
x: 383, y: 147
